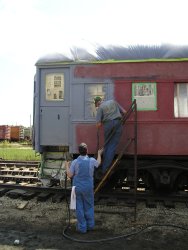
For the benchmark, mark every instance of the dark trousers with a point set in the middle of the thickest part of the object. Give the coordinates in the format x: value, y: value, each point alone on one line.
x: 112, y: 134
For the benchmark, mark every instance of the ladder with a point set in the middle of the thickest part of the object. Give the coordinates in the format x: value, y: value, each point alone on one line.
x: 110, y: 171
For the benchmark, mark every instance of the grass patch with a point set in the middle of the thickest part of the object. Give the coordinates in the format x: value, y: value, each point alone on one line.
x: 18, y: 152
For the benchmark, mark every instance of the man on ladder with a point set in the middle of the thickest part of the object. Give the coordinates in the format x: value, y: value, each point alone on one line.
x: 109, y: 113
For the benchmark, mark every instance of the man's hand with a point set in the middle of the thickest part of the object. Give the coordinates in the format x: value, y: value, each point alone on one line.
x: 98, y: 124
x: 100, y: 151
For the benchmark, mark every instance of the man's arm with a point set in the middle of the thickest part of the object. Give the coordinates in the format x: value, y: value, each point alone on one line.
x: 100, y: 151
x: 121, y: 109
x: 99, y: 118
x: 67, y: 165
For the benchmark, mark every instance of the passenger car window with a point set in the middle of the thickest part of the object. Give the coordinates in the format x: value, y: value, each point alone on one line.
x: 91, y: 91
x: 181, y: 100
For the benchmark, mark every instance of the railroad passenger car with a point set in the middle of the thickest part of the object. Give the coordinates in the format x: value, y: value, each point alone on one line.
x: 155, y: 76
x: 4, y: 132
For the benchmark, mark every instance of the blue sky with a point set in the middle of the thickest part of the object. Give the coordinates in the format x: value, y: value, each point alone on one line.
x: 33, y: 28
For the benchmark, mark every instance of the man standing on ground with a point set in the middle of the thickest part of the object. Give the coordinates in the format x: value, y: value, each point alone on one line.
x: 82, y: 170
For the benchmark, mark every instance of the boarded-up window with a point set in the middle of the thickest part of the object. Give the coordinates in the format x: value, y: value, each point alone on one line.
x: 181, y: 100
x: 145, y: 94
x: 55, y: 87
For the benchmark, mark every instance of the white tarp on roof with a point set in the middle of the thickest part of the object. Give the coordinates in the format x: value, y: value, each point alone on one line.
x: 111, y: 52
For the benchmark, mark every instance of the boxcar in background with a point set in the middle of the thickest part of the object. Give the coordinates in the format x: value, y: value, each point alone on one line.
x: 17, y: 133
x: 5, y: 132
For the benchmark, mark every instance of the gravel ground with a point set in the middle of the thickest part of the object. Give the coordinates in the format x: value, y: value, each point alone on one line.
x: 32, y: 225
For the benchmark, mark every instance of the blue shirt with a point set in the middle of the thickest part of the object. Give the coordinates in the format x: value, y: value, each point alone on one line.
x: 74, y: 167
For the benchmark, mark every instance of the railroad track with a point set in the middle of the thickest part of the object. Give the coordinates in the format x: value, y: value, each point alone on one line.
x: 19, y: 171
x: 20, y: 180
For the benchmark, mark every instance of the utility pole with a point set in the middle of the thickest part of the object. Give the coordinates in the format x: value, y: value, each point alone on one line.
x: 30, y: 128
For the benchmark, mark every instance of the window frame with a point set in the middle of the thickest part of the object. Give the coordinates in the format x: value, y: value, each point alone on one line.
x: 177, y: 104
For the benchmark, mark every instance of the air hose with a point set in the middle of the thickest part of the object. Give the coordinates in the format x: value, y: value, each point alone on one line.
x: 121, y: 236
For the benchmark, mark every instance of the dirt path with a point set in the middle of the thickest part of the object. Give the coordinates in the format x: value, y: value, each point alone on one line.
x: 36, y: 225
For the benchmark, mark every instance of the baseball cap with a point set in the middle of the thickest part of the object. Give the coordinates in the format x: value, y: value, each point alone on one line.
x: 97, y: 99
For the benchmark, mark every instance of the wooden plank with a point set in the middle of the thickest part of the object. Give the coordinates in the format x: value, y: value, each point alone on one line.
x: 22, y: 205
